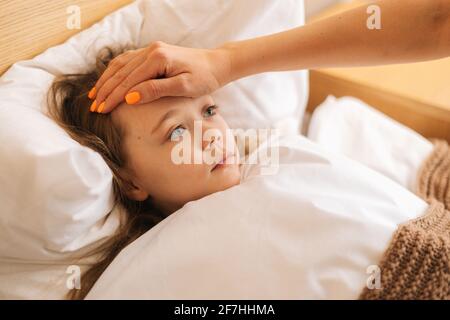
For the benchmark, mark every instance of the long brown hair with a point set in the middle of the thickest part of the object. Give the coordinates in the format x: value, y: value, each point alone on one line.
x: 68, y: 105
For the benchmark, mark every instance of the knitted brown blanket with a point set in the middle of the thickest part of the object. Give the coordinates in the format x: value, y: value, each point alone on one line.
x: 416, y: 264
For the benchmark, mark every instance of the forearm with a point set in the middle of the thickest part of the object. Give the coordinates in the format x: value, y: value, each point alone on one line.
x: 413, y: 30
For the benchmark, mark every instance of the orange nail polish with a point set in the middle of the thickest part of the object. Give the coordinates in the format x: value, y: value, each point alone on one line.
x: 133, y: 97
x: 93, y: 106
x: 92, y: 93
x: 101, y: 107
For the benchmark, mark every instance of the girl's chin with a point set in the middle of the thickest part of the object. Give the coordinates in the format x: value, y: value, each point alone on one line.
x: 229, y: 176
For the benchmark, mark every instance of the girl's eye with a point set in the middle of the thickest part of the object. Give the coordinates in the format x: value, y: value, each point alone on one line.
x: 176, y: 133
x: 210, y: 111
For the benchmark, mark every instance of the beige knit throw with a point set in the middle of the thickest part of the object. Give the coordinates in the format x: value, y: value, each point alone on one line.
x: 416, y: 264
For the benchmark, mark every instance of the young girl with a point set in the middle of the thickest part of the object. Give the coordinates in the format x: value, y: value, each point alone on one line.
x: 137, y: 144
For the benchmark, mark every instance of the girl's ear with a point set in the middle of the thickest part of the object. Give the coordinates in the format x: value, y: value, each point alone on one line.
x: 133, y: 190
x: 136, y: 193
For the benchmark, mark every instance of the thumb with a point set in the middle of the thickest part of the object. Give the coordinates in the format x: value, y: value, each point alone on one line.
x: 154, y: 89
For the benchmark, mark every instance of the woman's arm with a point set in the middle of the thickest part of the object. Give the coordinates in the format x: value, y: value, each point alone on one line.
x: 413, y: 30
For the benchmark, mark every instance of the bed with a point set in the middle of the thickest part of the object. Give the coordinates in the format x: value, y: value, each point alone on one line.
x: 38, y: 243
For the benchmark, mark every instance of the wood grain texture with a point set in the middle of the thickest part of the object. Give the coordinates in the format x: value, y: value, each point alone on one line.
x: 28, y: 27
x: 429, y: 120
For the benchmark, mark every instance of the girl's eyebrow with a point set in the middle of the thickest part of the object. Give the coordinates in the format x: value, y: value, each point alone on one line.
x: 165, y: 117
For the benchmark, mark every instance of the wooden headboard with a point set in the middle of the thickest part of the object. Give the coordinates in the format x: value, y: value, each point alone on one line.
x: 28, y: 27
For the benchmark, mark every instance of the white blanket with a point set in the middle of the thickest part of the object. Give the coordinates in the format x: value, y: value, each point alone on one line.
x: 309, y: 231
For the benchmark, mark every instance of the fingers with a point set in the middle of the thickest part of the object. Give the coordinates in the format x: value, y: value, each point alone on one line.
x: 148, y: 65
x: 137, y: 72
x: 149, y: 75
x: 113, y: 90
x: 115, y: 65
x: 154, y: 89
x: 116, y: 79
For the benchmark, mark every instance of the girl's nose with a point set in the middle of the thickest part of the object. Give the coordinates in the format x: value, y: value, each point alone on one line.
x: 211, y: 143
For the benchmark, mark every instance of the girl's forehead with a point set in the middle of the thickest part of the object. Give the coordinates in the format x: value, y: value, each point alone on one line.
x: 160, y: 106
x: 143, y: 116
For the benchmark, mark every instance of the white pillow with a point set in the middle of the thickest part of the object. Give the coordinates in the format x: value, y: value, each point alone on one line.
x: 351, y: 127
x: 55, y: 193
x: 310, y: 231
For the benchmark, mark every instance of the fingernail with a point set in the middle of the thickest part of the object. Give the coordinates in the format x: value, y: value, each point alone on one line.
x: 100, y: 107
x: 133, y: 97
x: 93, y: 106
x: 92, y: 93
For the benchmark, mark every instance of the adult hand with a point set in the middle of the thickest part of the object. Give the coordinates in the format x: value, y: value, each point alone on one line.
x: 143, y: 75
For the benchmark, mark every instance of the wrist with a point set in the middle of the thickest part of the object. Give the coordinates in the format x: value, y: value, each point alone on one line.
x: 246, y: 57
x: 231, y: 61
x: 220, y: 65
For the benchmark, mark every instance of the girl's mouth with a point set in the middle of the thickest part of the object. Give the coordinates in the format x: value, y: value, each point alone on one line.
x: 227, y: 160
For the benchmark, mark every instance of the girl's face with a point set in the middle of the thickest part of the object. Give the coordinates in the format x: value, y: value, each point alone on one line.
x: 172, y: 146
